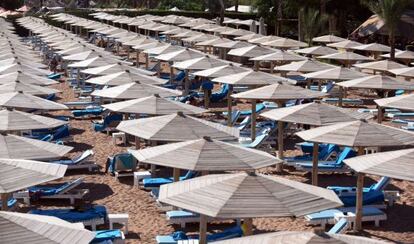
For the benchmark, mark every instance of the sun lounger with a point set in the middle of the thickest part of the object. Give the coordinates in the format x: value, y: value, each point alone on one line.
x: 181, y: 217
x: 375, y: 194
x: 110, y: 121
x: 400, y: 115
x: 347, y: 101
x: 326, y: 152
x: 340, y: 227
x: 244, y: 123
x: 329, y: 166
x: 259, y: 108
x: 261, y: 137
x: 11, y: 203
x: 60, y: 134
x: 150, y: 183
x: 402, y: 121
x: 328, y: 216
x: 92, y: 216
x: 375, y: 111
x: 57, y: 191
x: 179, y: 235
x: 220, y: 95
x: 120, y: 165
x: 108, y: 236
x: 87, y: 112
x: 54, y: 76
x: 177, y: 78
x: 81, y: 161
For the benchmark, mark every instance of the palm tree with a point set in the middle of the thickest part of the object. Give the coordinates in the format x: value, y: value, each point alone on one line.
x: 311, y: 23
x: 390, y: 11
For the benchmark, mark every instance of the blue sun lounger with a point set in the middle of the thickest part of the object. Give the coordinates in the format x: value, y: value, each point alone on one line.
x: 244, y: 123
x: 57, y: 136
x: 328, y: 216
x: 11, y: 203
x: 107, y: 236
x: 340, y: 227
x: 324, y: 154
x: 108, y: 121
x: 78, y: 162
x: 329, y: 166
x: 150, y: 183
x: 91, y: 111
x: 260, y: 138
x: 348, y: 101
x: 373, y: 195
x: 53, y: 191
x: 54, y: 76
x: 307, y: 147
x: 121, y: 164
x: 179, y: 235
x: 92, y: 216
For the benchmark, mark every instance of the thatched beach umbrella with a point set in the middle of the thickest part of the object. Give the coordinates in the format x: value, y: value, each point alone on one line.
x: 285, y: 43
x: 135, y: 90
x: 26, y: 79
x: 228, y: 69
x: 382, y: 66
x: 251, y: 51
x: 224, y: 47
x: 280, y: 93
x: 404, y: 72
x: 347, y: 58
x: 405, y: 56
x: 242, y: 195
x: 328, y: 39
x: 305, y: 66
x: 249, y: 78
x: 25, y: 101
x: 13, y: 120
x: 374, y: 48
x: 125, y: 77
x: 263, y: 39
x: 17, y: 174
x: 24, y: 68
x: 21, y: 228
x: 404, y: 102
x: 347, y: 44
x: 279, y: 57
x: 17, y: 86
x: 248, y: 37
x: 154, y: 105
x: 359, y: 134
x: 302, y: 237
x: 177, y: 127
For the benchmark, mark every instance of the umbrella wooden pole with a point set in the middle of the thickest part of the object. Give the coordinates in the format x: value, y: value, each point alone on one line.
x: 153, y: 166
x: 380, y: 115
x: 341, y: 94
x: 176, y: 174
x: 256, y: 65
x: 315, y: 163
x: 171, y: 73
x: 4, y: 199
x: 128, y: 47
x: 203, y: 229
x: 146, y: 60
x: 248, y: 222
x: 186, y: 84
x: 359, y: 196
x: 253, y: 126
x: 280, y: 147
x: 137, y: 143
x: 272, y: 66
x: 158, y: 68
x: 137, y: 59
x: 229, y: 105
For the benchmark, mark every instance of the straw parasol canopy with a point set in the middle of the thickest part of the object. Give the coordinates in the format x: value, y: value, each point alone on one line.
x: 125, y: 77
x: 115, y: 68
x: 177, y: 127
x: 395, y: 164
x: 317, y: 114
x: 379, y: 82
x: 405, y: 72
x: 251, y: 51
x: 279, y: 91
x: 19, y: 147
x: 346, y: 57
x: 24, y: 68
x: 201, y: 63
x: 23, y: 228
x: 248, y: 37
x: 205, y: 154
x: 153, y: 105
x: 224, y: 70
x: 302, y: 237
x: 347, y: 44
x: 180, y: 55
x: 285, y: 43
x: 316, y: 50
x: 404, y: 102
x: 25, y: 101
x: 135, y: 90
x: 94, y: 62
x: 383, y: 65
x: 237, y: 32
x: 282, y: 56
x: 18, y: 86
x: 243, y: 195
x: 17, y: 174
x: 163, y: 49
x: 403, y: 55
x: 212, y: 42
x: 263, y: 39
x: 373, y: 47
x: 328, y: 39
x: 26, y: 79
x: 358, y: 134
x: 304, y: 66
x: 338, y: 73
x: 232, y: 45
x: 13, y: 120
x: 251, y: 77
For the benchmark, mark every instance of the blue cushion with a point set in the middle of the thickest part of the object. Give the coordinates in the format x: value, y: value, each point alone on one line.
x: 175, y: 214
x: 72, y: 215
x: 104, y: 235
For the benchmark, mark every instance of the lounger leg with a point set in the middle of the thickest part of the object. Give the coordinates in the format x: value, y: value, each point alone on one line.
x: 72, y: 200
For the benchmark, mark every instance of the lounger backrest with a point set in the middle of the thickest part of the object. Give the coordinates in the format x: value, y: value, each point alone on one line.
x: 124, y: 161
x: 245, y: 122
x: 190, y: 174
x: 69, y: 186
x: 235, y: 116
x: 327, y: 151
x: 339, y: 227
x: 260, y: 138
x: 180, y: 76
x: 217, y: 96
x: 346, y: 153
x: 226, y: 234
x: 381, y: 184
x: 83, y: 156
x: 61, y: 132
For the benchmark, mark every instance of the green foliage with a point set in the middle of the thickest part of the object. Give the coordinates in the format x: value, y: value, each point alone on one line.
x: 312, y: 22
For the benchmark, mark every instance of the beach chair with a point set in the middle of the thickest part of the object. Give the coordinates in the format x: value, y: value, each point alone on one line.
x: 121, y: 165
x: 221, y: 94
x: 409, y: 126
x: 179, y: 77
x: 92, y: 216
x: 327, y: 151
x: 59, y: 135
x: 401, y: 115
x: 259, y: 108
x: 150, y: 183
x: 373, y: 195
x: 108, y: 236
x: 54, y: 76
x: 110, y: 121
x: 182, y: 217
x: 244, y: 123
x: 80, y: 161
x: 329, y: 166
x: 340, y: 227
x: 261, y: 137
x: 88, y: 111
x: 55, y: 191
x: 11, y: 203
x: 180, y: 236
x: 235, y: 115
x: 328, y: 216
x: 346, y: 101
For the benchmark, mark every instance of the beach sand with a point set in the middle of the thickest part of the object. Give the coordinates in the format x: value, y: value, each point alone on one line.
x: 146, y: 220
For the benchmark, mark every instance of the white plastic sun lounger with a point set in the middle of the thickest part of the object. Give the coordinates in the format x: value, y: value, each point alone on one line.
x: 80, y: 161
